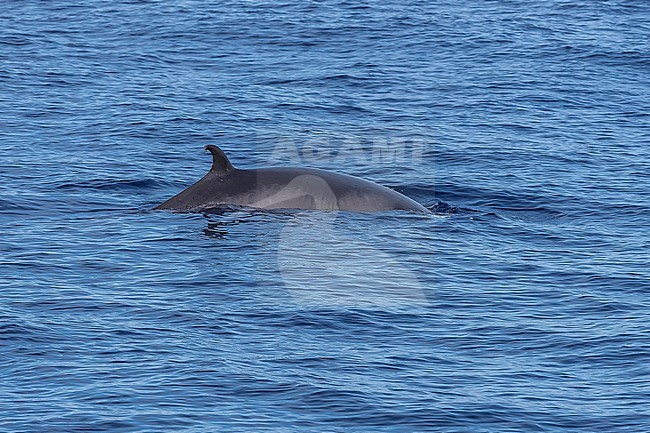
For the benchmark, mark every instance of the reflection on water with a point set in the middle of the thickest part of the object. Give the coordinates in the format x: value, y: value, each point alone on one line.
x: 326, y: 263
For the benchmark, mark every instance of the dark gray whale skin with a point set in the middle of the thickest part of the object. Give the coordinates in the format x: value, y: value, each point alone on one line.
x: 285, y: 188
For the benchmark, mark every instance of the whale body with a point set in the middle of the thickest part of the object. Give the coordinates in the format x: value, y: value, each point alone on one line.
x: 285, y: 188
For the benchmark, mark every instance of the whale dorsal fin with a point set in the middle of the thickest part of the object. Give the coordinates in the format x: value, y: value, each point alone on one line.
x: 220, y: 162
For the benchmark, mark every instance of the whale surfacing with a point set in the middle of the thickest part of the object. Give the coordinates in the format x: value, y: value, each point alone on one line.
x: 285, y: 188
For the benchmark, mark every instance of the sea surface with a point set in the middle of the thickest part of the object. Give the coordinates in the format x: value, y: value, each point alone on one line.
x: 521, y: 304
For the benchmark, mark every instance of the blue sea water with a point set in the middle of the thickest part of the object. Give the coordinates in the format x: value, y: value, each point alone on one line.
x: 521, y: 305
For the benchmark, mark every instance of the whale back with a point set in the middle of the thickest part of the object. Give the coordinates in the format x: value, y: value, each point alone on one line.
x: 285, y: 187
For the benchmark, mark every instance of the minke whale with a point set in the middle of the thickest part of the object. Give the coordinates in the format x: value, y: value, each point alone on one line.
x: 285, y: 188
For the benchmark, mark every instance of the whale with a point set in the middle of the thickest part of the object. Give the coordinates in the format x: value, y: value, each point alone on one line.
x: 270, y: 188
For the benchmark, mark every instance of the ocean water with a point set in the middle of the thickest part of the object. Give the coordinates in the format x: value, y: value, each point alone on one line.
x: 520, y: 305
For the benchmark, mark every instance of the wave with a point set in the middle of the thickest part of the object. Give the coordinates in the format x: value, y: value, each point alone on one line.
x: 102, y: 184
